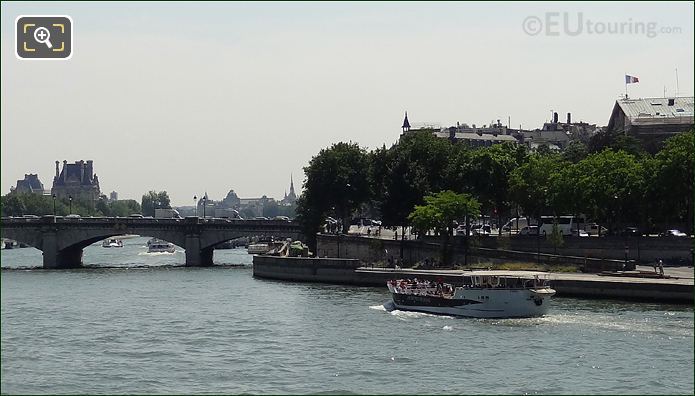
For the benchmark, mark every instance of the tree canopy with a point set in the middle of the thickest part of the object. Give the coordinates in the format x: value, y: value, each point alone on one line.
x: 155, y: 200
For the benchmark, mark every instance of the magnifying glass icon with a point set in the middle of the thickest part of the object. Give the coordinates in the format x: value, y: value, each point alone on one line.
x: 43, y: 35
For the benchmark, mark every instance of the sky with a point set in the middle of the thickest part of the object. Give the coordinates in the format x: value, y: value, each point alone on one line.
x: 196, y: 97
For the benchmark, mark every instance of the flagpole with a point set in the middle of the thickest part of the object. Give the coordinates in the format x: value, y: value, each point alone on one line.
x: 625, y: 85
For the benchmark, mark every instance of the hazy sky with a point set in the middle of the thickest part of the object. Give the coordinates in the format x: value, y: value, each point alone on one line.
x: 188, y: 97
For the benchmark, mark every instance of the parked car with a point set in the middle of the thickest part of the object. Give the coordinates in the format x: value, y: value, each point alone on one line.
x: 529, y: 230
x: 136, y: 215
x: 630, y: 231
x: 483, y: 229
x: 673, y: 233
x: 284, y: 218
x: 73, y: 216
x: 580, y: 233
x: 592, y: 229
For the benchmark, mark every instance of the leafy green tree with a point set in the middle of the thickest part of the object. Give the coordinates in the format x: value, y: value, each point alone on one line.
x: 612, y: 183
x: 378, y: 172
x: 416, y: 167
x: 439, y: 213
x: 487, y: 175
x: 672, y: 182
x: 12, y: 205
x: 124, y: 207
x: 155, y: 200
x: 18, y: 204
x: 336, y: 183
x: 615, y: 141
x: 531, y: 183
x: 575, y: 152
x: 555, y: 237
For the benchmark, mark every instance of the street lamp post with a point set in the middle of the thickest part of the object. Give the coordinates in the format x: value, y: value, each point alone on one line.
x: 539, y: 222
x: 195, y: 203
x: 70, y: 199
x: 205, y: 203
x: 54, y: 207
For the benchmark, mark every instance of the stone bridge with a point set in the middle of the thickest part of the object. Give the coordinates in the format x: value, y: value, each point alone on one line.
x: 61, y: 239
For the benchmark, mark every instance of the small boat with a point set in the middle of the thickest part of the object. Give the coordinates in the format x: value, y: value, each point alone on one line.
x: 159, y: 246
x: 483, y: 295
x: 109, y: 243
x: 258, y: 248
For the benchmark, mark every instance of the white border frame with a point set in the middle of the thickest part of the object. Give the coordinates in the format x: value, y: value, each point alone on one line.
x: 72, y: 38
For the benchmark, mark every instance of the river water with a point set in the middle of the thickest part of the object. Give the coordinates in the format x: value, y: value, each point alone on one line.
x: 140, y: 323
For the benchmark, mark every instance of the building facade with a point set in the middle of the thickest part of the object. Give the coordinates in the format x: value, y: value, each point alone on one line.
x: 29, y: 185
x: 651, y: 120
x: 76, y: 180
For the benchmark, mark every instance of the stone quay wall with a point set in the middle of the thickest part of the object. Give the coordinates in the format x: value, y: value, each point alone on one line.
x: 595, y: 254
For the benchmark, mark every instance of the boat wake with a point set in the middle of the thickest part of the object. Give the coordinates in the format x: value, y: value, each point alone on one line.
x: 604, y: 322
x: 159, y: 253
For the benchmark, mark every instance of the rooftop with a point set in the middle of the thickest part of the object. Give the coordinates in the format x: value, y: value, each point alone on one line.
x: 667, y: 110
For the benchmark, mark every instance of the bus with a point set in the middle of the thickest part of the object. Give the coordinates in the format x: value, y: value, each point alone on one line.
x: 566, y: 224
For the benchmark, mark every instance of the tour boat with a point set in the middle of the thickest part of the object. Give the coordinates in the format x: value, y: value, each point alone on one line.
x: 484, y: 295
x: 159, y: 246
x: 109, y: 243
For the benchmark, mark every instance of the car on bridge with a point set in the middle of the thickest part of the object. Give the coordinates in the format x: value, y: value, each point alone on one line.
x: 673, y: 233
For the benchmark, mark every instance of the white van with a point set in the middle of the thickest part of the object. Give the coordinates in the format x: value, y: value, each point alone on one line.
x: 565, y: 224
x: 514, y: 226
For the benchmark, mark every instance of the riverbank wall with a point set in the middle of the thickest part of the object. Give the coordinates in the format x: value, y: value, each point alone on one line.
x: 481, y: 252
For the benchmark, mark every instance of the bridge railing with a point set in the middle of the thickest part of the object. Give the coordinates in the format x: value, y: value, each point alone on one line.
x: 142, y: 221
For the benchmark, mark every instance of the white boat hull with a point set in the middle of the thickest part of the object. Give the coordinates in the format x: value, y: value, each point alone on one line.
x: 479, y: 303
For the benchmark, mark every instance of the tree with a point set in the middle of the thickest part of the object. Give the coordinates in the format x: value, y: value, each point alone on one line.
x: 155, y: 200
x: 555, y: 237
x: 12, y: 205
x: 615, y: 141
x: 575, y: 152
x: 416, y: 167
x: 530, y: 183
x: 487, y: 175
x: 672, y: 183
x: 124, y: 207
x: 336, y: 183
x: 613, y: 185
x: 439, y: 213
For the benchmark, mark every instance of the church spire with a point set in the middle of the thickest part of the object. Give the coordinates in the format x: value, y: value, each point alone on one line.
x: 406, y: 124
x: 292, y: 186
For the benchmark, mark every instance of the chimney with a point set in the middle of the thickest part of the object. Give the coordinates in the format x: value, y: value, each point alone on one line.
x: 65, y: 170
x: 569, y: 118
x: 57, y: 172
x: 555, y: 118
x: 90, y: 169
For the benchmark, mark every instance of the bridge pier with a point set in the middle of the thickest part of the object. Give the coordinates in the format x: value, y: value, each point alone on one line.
x: 195, y: 256
x: 54, y: 258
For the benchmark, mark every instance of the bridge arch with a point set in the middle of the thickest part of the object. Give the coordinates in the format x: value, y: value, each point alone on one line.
x: 62, y: 240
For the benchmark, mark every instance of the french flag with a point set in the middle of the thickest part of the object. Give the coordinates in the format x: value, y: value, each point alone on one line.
x: 631, y: 79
